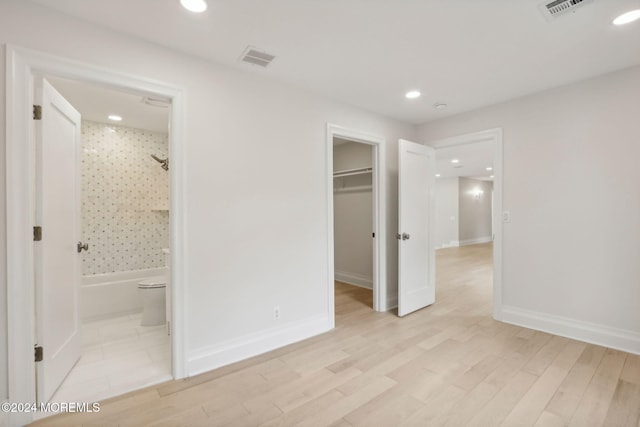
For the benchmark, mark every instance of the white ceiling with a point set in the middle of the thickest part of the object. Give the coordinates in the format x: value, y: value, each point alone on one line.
x: 474, y: 159
x: 96, y: 103
x: 339, y: 141
x: 368, y: 53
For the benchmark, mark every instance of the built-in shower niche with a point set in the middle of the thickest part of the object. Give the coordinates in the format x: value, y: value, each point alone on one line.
x: 125, y: 215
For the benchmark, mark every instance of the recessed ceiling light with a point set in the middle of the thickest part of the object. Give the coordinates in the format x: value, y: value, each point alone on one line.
x: 412, y: 94
x: 115, y: 118
x: 437, y: 175
x: 440, y: 105
x: 490, y: 176
x: 196, y: 6
x: 625, y: 18
x: 489, y: 168
x: 455, y: 161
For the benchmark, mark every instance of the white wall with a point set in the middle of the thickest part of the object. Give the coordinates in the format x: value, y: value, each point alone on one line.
x: 256, y: 188
x: 572, y: 185
x: 474, y: 224
x: 446, y: 222
x: 353, y: 215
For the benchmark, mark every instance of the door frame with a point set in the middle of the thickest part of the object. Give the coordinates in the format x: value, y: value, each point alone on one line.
x: 490, y: 135
x: 379, y: 286
x: 21, y: 66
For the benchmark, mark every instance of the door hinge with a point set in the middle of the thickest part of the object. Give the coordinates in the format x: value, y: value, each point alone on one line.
x: 373, y: 235
x: 37, y: 112
x: 398, y: 236
x: 37, y: 233
x: 39, y: 353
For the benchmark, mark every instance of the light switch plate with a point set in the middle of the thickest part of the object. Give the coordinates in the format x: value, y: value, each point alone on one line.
x: 506, y: 216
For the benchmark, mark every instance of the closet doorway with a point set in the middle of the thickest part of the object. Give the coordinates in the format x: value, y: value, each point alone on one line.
x: 356, y: 248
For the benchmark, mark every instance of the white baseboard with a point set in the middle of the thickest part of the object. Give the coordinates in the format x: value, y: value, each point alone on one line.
x: 451, y: 244
x: 354, y: 279
x: 606, y: 336
x: 475, y: 241
x: 251, y: 345
x: 392, y: 302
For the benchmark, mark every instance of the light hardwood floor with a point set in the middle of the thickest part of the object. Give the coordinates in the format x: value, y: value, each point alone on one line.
x: 450, y: 364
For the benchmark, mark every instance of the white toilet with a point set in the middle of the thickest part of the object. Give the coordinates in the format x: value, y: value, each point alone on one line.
x: 153, y: 301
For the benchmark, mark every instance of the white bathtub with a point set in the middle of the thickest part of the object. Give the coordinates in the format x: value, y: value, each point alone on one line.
x: 113, y: 294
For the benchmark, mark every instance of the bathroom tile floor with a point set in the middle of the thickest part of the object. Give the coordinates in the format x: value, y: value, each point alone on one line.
x: 118, y: 356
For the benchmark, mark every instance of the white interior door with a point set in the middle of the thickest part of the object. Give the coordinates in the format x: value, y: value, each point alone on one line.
x: 416, y: 263
x: 57, y: 261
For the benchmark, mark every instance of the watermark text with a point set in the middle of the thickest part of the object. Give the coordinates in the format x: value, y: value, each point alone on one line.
x: 54, y: 407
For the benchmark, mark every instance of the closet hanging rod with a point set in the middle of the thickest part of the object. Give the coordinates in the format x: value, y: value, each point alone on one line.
x: 349, y: 172
x: 356, y: 189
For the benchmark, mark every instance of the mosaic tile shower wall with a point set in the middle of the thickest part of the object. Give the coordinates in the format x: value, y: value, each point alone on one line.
x: 125, y: 198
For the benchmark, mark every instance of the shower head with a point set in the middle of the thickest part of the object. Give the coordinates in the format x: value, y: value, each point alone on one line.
x: 164, y: 163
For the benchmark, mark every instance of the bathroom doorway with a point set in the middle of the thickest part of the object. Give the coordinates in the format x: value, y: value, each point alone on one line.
x: 23, y: 65
x: 123, y: 250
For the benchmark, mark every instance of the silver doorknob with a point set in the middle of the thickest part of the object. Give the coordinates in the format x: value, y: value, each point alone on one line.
x: 82, y: 246
x: 405, y: 236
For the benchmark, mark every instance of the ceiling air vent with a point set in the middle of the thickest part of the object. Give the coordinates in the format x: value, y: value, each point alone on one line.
x: 557, y: 8
x: 256, y: 57
x: 155, y: 102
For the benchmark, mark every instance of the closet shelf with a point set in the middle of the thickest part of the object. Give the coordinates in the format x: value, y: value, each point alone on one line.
x: 350, y: 172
